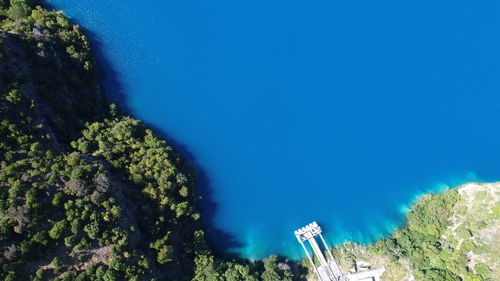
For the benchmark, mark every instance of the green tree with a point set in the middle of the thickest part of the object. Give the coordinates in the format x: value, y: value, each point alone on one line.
x: 18, y: 11
x: 440, y: 275
x: 14, y: 96
x: 57, y: 199
x: 272, y: 272
x: 205, y: 269
x: 57, y: 229
x: 237, y: 272
x: 92, y: 229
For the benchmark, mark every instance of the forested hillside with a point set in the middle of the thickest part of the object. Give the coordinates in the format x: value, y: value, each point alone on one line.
x: 87, y: 192
x: 90, y: 193
x: 450, y: 236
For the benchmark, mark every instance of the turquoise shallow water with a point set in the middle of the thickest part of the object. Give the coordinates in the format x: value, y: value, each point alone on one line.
x: 342, y: 112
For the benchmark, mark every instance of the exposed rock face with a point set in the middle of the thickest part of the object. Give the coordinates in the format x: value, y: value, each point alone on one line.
x: 102, y: 183
x: 76, y: 187
x: 11, y: 252
x: 477, y: 219
x: 21, y: 216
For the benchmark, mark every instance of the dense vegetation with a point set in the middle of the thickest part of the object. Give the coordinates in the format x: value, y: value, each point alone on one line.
x: 449, y: 236
x: 89, y: 193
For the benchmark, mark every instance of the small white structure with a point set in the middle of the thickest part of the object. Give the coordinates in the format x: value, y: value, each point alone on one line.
x: 328, y: 270
x: 369, y: 275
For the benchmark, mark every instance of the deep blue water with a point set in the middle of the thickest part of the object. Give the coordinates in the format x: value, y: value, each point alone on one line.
x: 342, y: 112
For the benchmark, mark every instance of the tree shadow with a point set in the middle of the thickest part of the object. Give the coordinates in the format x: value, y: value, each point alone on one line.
x: 108, y: 76
x: 219, y: 241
